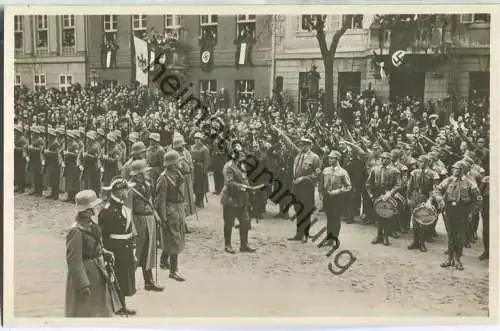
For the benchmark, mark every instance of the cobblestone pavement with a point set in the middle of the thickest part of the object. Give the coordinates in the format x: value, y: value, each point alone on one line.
x: 283, y: 279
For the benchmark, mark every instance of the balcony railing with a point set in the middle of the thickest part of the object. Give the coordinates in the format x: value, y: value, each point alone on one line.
x: 68, y: 50
x: 41, y: 51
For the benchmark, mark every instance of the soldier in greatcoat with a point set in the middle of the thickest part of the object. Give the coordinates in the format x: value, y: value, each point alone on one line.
x: 118, y: 234
x: 89, y: 291
x: 52, y: 165
x: 170, y: 205
x: 110, y: 161
x: 154, y: 156
x: 140, y: 201
x: 19, y: 160
x: 91, y: 164
x: 35, y: 162
x: 201, y: 161
x: 186, y: 167
x: 137, y: 152
x: 71, y: 171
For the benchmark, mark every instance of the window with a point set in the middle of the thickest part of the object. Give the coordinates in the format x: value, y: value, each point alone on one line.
x: 354, y: 21
x: 348, y: 82
x: 208, y: 87
x: 110, y: 31
x: 18, y: 32
x: 307, y: 20
x: 173, y: 26
x: 245, y: 26
x: 42, y: 32
x: 245, y: 90
x: 17, y: 81
x: 475, y: 18
x: 208, y: 26
x: 110, y: 23
x: 139, y: 25
x: 68, y: 34
x: 65, y: 82
x: 39, y: 81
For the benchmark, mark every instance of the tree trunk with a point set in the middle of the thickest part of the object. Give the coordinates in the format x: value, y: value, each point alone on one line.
x: 329, y: 105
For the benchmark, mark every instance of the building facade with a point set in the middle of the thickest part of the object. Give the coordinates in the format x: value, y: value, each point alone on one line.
x: 465, y: 69
x: 111, y: 55
x: 50, y: 50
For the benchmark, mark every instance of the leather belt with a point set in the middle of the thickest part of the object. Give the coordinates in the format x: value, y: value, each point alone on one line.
x: 143, y: 213
x: 121, y: 236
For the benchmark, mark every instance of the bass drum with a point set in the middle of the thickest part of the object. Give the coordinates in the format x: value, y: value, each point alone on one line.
x: 386, y: 207
x: 425, y: 215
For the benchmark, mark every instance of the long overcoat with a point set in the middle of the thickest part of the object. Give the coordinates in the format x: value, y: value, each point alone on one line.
x: 169, y: 203
x: 144, y: 222
x: 86, y: 268
x: 201, y: 161
x: 71, y: 172
x: 186, y: 168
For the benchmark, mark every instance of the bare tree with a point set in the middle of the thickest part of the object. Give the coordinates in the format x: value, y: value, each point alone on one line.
x: 317, y: 23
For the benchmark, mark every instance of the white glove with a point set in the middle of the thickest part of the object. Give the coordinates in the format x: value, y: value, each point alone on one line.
x: 63, y: 165
x: 81, y: 168
x: 43, y: 162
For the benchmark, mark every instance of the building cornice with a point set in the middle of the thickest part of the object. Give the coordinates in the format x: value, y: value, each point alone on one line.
x: 50, y: 59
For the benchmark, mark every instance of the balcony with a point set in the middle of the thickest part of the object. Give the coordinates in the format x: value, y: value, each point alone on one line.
x: 67, y: 50
x: 42, y: 51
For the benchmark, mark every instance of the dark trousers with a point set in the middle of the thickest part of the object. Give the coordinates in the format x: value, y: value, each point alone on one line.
x: 472, y: 226
x: 485, y: 213
x: 258, y: 201
x: 457, y: 217
x: 333, y: 207
x: 385, y: 226
x: 304, y: 195
x: 368, y: 205
x: 353, y: 202
x: 54, y: 181
x: 37, y: 179
x: 229, y: 214
x: 218, y: 178
x: 20, y: 175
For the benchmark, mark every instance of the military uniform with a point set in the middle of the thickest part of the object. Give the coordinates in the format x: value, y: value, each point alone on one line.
x: 485, y: 213
x: 20, y: 164
x: 334, y: 183
x: 218, y: 160
x: 118, y: 232
x: 110, y: 163
x: 383, y: 179
x: 154, y: 157
x: 284, y: 166
x: 186, y: 168
x: 53, y: 169
x: 71, y: 171
x: 201, y: 162
x: 170, y: 205
x: 419, y: 189
x: 92, y: 171
x: 35, y: 165
x: 258, y: 199
x: 460, y: 195
x: 234, y: 201
x: 144, y: 220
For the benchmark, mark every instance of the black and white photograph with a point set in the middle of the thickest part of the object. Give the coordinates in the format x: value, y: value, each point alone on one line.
x: 239, y: 162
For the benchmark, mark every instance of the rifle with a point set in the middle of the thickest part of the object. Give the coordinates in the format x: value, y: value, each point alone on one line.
x: 46, y: 138
x: 84, y: 147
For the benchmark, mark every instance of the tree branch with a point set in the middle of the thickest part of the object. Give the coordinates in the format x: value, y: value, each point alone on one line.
x: 338, y: 34
x: 320, y: 36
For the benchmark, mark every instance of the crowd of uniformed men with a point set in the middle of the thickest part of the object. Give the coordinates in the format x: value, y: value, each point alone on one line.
x: 385, y: 164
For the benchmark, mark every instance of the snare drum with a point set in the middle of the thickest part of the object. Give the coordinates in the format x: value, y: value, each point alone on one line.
x: 386, y: 208
x: 425, y: 215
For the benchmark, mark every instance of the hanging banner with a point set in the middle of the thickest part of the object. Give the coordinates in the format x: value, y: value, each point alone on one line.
x: 141, y: 61
x: 207, y: 43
